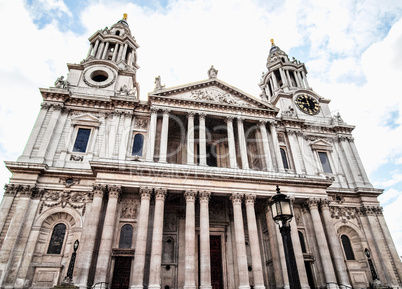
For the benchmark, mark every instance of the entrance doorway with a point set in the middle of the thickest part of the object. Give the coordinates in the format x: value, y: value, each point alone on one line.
x: 121, y: 273
x: 216, y: 262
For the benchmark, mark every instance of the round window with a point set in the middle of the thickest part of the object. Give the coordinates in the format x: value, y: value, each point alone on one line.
x: 99, y: 76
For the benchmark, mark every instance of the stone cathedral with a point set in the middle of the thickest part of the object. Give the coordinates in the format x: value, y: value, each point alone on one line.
x: 174, y: 191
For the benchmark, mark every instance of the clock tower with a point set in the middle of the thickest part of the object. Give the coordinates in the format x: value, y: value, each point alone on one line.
x: 285, y: 85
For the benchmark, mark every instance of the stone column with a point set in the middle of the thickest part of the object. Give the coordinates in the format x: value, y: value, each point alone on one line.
x: 105, y: 51
x: 157, y: 236
x: 10, y: 191
x: 120, y: 52
x: 254, y: 242
x: 116, y: 48
x: 164, y: 136
x: 274, y: 81
x: 242, y: 144
x: 123, y: 56
x: 326, y: 261
x: 275, y: 251
x: 350, y: 159
x: 359, y: 162
x: 205, y: 253
x: 283, y: 76
x: 231, y: 142
x: 88, y: 238
x: 275, y: 144
x: 295, y: 149
x: 91, y: 46
x: 189, y: 281
x: 265, y: 145
x: 240, y: 241
x: 137, y: 271
x: 305, y: 79
x: 151, y: 135
x: 190, y: 138
x: 203, y: 141
x: 297, y: 79
x: 105, y: 248
x: 289, y: 79
x: 335, y: 246
x: 95, y: 48
x: 100, y: 50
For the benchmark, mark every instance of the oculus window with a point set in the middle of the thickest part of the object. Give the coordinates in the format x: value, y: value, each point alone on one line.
x: 81, y: 140
x: 57, y: 239
x: 325, y: 162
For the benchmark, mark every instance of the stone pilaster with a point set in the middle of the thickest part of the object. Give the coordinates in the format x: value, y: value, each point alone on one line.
x: 190, y: 138
x: 151, y: 135
x: 205, y: 255
x: 88, y: 237
x: 236, y: 199
x: 137, y: 271
x: 254, y: 242
x: 202, y: 139
x: 105, y: 248
x: 189, y: 281
x: 231, y: 142
x: 242, y: 144
x: 275, y: 143
x: 157, y: 236
x: 265, y: 146
x: 164, y: 137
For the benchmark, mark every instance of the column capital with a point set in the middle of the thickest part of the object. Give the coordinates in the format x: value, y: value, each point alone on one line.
x: 325, y: 203
x: 240, y: 119
x: 262, y: 122
x: 190, y: 195
x: 99, y: 190
x: 160, y: 194
x: 190, y: 114
x: 202, y: 115
x: 154, y: 110
x: 204, y: 196
x: 229, y: 119
x: 236, y: 198
x: 313, y: 202
x: 249, y: 198
x: 114, y: 191
x: 166, y: 112
x: 145, y: 192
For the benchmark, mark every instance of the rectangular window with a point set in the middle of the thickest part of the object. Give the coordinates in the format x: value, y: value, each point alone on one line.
x: 81, y: 140
x: 284, y: 159
x: 325, y: 162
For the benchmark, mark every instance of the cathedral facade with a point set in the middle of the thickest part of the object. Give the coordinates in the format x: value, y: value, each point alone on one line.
x: 174, y: 192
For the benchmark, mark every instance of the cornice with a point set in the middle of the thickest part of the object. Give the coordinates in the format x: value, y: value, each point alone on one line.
x: 22, y: 167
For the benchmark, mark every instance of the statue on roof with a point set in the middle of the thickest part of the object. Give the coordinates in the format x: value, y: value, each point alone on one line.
x: 212, y: 72
x: 158, y: 83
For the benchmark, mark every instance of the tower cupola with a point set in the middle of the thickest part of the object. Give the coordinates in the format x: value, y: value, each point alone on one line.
x: 283, y: 75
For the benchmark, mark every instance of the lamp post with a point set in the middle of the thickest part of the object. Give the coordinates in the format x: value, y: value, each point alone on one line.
x: 282, y: 213
x: 69, y: 277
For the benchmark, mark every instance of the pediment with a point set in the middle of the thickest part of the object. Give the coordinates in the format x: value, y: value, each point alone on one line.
x: 321, y: 145
x: 213, y: 91
x: 86, y: 119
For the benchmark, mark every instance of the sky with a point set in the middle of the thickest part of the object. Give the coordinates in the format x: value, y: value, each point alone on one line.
x: 352, y: 51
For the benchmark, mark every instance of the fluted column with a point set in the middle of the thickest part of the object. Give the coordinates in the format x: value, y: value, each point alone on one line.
x: 205, y: 253
x: 283, y: 76
x: 164, y: 137
x: 254, y: 242
x: 137, y: 272
x: 105, y: 248
x: 335, y: 247
x: 189, y: 279
x: 240, y: 241
x: 242, y: 144
x: 275, y: 143
x: 152, y: 134
x: 157, y: 236
x: 203, y: 140
x: 265, y: 146
x: 326, y: 261
x: 190, y: 138
x: 231, y: 142
x: 88, y: 237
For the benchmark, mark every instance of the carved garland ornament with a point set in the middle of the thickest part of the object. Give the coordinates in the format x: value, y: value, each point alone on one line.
x: 65, y: 198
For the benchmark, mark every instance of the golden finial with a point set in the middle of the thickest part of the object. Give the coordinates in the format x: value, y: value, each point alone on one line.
x: 272, y: 41
x: 125, y: 16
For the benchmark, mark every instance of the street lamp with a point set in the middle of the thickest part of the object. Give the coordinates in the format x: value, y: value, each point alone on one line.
x: 282, y: 213
x: 69, y: 277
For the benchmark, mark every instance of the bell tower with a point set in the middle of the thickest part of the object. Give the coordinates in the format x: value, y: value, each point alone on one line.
x: 110, y: 65
x: 285, y: 85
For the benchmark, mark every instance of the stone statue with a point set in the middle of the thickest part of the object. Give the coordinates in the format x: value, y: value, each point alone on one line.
x: 212, y: 72
x: 337, y: 119
x: 158, y: 83
x: 61, y: 83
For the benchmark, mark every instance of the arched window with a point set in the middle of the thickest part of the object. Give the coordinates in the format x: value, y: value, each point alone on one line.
x: 347, y: 247
x: 284, y: 158
x: 57, y: 239
x: 126, y: 237
x: 138, y: 144
x: 117, y: 32
x: 302, y: 243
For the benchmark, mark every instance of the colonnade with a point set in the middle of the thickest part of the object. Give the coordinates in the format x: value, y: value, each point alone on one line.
x: 266, y: 139
x: 299, y: 76
x: 100, y: 50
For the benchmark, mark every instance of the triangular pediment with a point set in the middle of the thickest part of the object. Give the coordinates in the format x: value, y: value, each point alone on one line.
x: 321, y: 145
x: 213, y: 91
x: 85, y: 119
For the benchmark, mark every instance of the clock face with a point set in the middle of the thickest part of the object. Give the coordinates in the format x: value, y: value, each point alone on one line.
x: 307, y: 104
